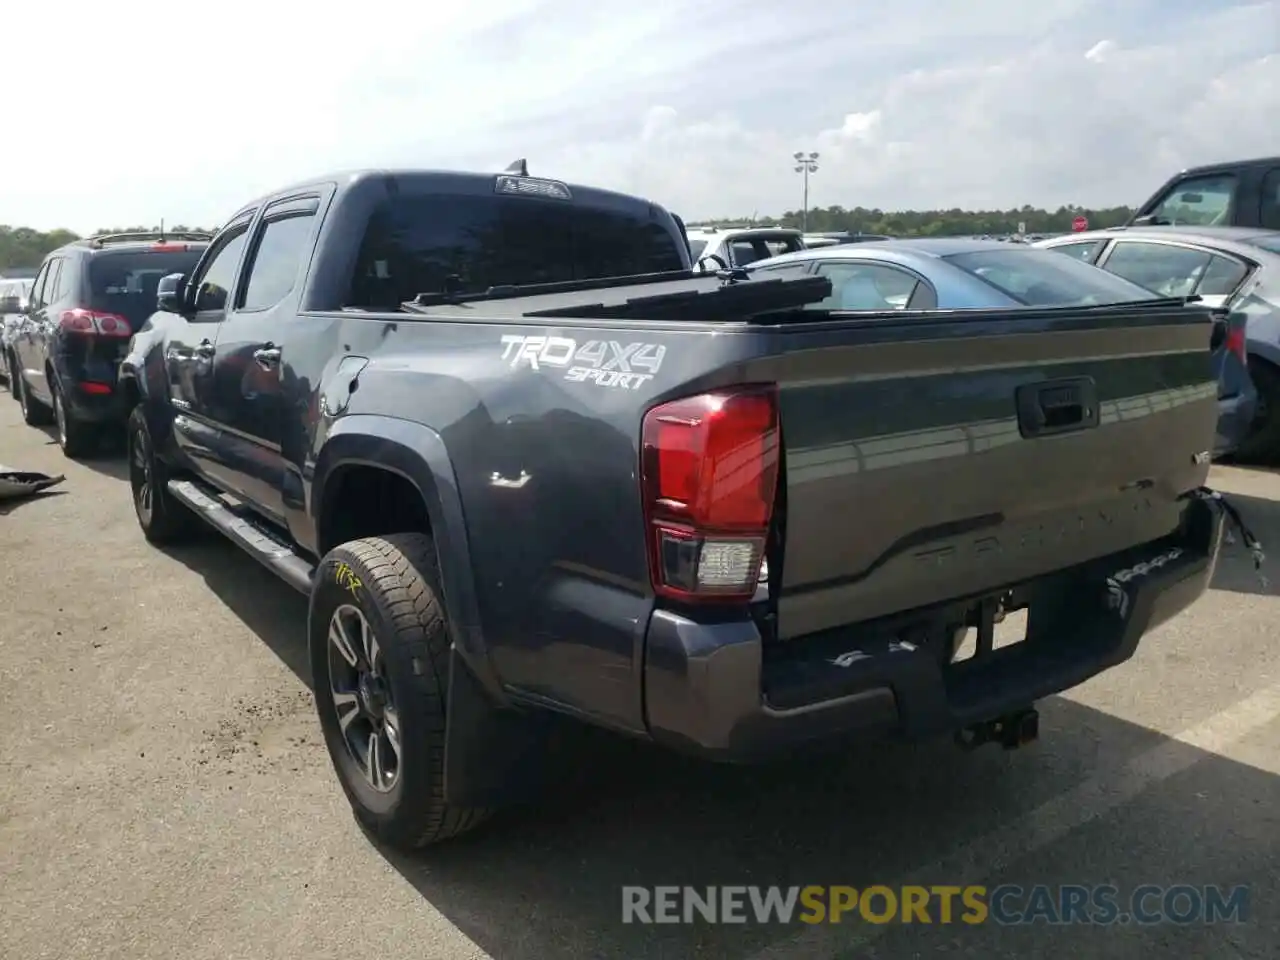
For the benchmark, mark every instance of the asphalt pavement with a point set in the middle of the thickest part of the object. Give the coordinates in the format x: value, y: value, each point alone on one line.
x: 164, y: 792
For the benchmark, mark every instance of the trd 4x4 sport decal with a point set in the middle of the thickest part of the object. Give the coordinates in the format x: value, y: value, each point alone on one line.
x: 605, y: 363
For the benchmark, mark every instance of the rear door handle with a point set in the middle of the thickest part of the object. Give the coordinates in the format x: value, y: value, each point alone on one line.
x: 268, y: 356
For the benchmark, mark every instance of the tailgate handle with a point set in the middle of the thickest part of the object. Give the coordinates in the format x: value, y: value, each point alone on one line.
x: 1057, y: 406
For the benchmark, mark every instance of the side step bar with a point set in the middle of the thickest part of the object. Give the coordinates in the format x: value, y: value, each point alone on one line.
x: 247, y: 532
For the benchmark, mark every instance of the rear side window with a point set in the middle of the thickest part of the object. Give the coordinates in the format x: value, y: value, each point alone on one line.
x: 866, y: 286
x: 1168, y: 270
x: 1041, y: 278
x: 124, y: 282
x: 1082, y: 250
x: 1198, y: 201
x: 415, y: 244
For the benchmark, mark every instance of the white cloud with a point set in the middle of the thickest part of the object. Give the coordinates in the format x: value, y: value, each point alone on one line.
x: 913, y: 104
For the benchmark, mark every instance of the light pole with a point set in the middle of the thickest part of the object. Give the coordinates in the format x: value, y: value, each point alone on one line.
x: 806, y: 163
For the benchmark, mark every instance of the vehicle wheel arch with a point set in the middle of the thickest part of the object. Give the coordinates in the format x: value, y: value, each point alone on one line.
x: 367, y: 452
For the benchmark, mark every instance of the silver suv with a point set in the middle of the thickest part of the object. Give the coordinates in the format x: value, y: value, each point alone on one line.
x: 14, y: 294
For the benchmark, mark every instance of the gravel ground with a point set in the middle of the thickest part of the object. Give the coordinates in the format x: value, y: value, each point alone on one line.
x: 164, y: 791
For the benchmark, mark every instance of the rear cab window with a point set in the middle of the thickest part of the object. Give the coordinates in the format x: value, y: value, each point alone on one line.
x: 1202, y: 201
x: 123, y: 282
x: 1041, y: 278
x: 426, y: 242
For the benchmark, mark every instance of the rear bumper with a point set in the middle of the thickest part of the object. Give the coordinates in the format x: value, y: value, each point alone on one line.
x: 710, y: 689
x: 92, y: 395
x: 1235, y: 417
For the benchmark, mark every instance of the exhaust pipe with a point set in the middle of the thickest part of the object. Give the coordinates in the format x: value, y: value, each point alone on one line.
x: 1011, y: 731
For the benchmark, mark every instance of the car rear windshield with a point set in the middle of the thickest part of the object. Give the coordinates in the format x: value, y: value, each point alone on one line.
x: 1042, y: 278
x: 1270, y: 244
x: 413, y: 244
x: 124, y: 282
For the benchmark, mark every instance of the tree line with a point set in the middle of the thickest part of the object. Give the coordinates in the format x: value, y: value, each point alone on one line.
x: 23, y: 247
x: 943, y: 223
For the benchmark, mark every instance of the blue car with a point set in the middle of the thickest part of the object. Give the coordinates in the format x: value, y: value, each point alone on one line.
x: 965, y: 274
x: 1235, y: 269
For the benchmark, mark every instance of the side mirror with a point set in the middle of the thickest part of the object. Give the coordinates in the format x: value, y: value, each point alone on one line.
x: 10, y: 305
x: 170, y: 292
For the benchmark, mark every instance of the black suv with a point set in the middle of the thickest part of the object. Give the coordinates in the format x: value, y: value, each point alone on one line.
x: 87, y: 300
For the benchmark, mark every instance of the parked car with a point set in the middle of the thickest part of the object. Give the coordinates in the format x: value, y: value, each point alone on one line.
x: 87, y: 300
x: 1233, y: 193
x: 1233, y: 269
x: 715, y: 249
x: 13, y: 303
x: 966, y: 274
x: 526, y: 464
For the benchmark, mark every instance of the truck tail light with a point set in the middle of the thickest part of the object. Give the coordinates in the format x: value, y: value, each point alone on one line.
x: 709, y: 472
x: 95, y: 322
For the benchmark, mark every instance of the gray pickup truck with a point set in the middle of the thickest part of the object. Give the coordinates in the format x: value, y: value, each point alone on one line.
x: 526, y: 464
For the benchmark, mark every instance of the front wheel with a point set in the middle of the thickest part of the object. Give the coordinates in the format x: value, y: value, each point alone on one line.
x: 379, y: 650
x: 162, y: 516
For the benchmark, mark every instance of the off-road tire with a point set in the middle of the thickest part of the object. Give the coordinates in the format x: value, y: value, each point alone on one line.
x: 80, y: 438
x: 1262, y: 445
x: 394, y: 582
x: 169, y: 519
x: 34, y: 413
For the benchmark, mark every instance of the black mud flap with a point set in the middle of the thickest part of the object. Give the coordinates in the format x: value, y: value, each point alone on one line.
x: 493, y: 756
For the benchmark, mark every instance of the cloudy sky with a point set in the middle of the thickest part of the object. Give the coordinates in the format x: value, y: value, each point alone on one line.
x: 138, y: 110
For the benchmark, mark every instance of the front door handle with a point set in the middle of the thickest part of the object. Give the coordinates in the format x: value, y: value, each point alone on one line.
x: 268, y: 356
x: 204, y: 349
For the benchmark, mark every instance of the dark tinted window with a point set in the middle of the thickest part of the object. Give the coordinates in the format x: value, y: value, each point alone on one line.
x: 1041, y: 278
x: 124, y: 282
x: 219, y: 274
x: 37, y: 287
x: 1269, y: 215
x: 414, y: 243
x: 56, y: 287
x: 1198, y: 201
x: 276, y: 262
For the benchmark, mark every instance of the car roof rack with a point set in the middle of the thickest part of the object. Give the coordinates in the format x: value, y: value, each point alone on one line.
x: 141, y: 236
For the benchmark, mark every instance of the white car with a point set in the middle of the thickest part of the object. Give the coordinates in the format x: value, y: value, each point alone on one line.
x: 13, y: 300
x: 739, y: 246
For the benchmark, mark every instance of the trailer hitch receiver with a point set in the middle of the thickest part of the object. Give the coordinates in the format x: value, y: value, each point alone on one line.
x: 1011, y: 731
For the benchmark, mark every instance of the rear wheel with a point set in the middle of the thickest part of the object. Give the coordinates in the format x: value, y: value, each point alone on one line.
x: 1262, y: 445
x: 34, y: 413
x: 162, y: 517
x: 379, y: 651
x: 75, y: 437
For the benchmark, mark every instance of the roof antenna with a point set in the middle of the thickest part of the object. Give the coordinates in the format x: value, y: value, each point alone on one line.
x: 519, y: 168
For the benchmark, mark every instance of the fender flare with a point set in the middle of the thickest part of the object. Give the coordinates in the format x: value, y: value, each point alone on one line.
x: 418, y: 454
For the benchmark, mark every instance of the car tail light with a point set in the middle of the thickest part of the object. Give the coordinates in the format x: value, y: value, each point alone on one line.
x: 97, y: 389
x: 95, y: 322
x: 709, y: 472
x: 1236, y: 344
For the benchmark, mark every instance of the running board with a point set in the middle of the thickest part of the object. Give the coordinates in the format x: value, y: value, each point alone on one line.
x: 247, y: 532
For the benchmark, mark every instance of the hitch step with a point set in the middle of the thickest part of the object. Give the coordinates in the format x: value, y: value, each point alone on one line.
x: 1011, y: 731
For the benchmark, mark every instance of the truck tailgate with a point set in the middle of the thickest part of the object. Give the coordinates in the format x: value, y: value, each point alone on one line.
x: 938, y: 458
